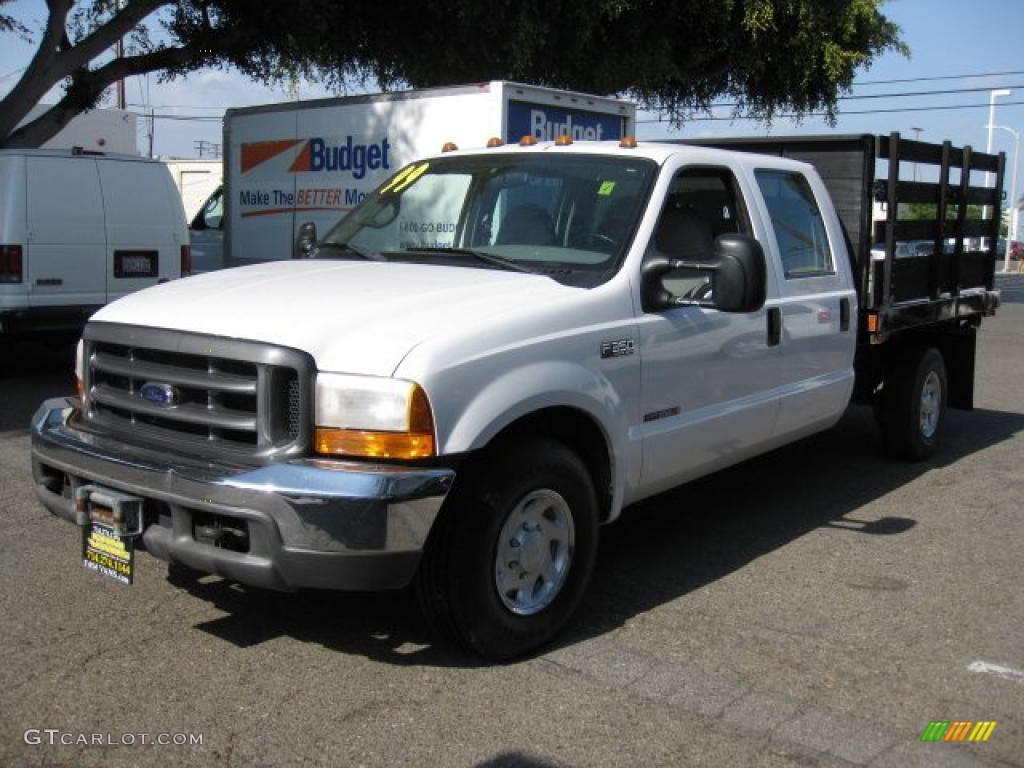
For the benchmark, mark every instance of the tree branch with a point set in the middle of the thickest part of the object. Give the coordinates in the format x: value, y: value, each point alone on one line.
x: 104, y: 37
x: 37, y: 78
x: 87, y: 86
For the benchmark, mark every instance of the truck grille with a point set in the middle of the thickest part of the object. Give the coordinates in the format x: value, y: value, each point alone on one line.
x: 212, y: 396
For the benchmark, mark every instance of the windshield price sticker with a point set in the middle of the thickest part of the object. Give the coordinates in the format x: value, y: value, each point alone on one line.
x: 104, y: 552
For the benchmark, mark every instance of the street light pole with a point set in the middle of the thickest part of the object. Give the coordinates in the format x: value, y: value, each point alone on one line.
x: 992, y: 96
x: 1012, y: 234
x: 917, y: 137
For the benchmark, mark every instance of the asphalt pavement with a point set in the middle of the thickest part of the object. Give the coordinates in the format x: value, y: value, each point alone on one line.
x: 818, y: 606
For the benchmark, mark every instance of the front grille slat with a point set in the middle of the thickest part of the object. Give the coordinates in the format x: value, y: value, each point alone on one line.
x: 212, y: 380
x: 219, y: 418
x: 225, y: 398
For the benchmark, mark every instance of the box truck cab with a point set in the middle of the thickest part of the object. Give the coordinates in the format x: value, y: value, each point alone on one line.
x: 79, y: 229
x: 314, y: 161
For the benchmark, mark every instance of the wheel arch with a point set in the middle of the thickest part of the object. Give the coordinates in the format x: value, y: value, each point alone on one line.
x: 579, y: 432
x: 565, y: 402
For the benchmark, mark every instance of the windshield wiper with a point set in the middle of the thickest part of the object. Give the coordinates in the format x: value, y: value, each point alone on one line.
x: 488, y: 258
x: 346, y: 248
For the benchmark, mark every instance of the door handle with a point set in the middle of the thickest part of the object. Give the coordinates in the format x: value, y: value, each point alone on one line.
x: 774, y: 326
x: 844, y: 314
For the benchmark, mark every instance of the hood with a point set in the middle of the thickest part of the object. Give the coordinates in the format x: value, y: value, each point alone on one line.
x: 351, y: 316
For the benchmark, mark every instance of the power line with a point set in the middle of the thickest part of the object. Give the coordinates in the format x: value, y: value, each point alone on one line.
x: 176, y: 106
x: 939, y: 77
x: 918, y: 93
x: 840, y: 114
x: 849, y: 97
x: 901, y: 95
x: 200, y: 118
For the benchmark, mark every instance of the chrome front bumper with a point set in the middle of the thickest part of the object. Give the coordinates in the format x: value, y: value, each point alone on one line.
x: 309, y: 522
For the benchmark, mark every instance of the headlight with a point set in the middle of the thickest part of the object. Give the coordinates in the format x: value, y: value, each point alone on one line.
x: 372, y: 417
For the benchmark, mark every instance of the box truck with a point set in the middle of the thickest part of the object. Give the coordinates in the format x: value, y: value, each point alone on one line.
x: 313, y: 161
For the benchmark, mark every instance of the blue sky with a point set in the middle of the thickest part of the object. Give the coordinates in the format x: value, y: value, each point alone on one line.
x: 946, y: 38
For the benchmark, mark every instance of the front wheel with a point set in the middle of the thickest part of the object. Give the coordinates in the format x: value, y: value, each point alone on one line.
x: 913, y: 405
x: 510, y: 555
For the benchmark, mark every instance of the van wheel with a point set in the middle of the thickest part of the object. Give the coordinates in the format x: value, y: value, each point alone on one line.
x: 511, y: 553
x: 913, y: 405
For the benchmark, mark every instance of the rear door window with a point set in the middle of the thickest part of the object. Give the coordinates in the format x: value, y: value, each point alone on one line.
x: 797, y: 222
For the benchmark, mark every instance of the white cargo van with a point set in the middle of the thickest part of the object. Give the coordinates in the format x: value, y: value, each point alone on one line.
x: 79, y: 229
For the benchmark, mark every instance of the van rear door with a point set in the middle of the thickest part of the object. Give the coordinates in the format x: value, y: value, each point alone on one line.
x: 65, y: 257
x: 143, y: 245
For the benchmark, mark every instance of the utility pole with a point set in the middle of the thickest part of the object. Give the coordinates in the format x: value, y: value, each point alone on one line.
x: 119, y: 54
x: 1011, y: 234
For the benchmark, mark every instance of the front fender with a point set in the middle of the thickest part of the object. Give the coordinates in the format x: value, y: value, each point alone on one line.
x: 525, y: 390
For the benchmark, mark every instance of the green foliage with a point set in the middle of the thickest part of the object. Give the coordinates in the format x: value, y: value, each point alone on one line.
x: 928, y: 211
x: 677, y: 56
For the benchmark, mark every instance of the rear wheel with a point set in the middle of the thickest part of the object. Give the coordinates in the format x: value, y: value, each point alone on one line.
x: 510, y: 555
x: 913, y: 405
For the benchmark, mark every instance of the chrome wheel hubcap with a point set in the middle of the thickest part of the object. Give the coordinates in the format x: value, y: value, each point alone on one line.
x: 931, y: 404
x: 534, y: 552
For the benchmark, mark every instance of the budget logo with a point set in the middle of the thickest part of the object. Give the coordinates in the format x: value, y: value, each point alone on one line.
x: 958, y: 730
x: 319, y: 154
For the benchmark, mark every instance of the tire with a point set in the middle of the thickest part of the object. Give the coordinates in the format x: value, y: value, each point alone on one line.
x: 538, y: 493
x: 913, y: 405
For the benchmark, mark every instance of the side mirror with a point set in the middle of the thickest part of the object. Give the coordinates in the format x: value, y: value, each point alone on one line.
x: 738, y: 277
x: 305, y: 240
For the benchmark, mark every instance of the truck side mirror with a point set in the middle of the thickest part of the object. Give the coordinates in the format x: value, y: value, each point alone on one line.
x: 305, y: 240
x: 738, y: 277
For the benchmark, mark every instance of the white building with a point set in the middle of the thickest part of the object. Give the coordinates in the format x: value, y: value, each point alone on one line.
x: 100, y: 130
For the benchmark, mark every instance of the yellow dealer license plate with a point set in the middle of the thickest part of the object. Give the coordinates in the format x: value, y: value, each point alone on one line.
x: 105, y: 552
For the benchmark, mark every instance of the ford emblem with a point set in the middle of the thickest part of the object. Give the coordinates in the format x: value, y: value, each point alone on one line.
x: 160, y: 394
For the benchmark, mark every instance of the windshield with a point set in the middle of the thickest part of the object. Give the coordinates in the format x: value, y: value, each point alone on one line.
x: 568, y: 216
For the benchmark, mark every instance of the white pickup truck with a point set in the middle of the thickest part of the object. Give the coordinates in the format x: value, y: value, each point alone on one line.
x: 497, y: 352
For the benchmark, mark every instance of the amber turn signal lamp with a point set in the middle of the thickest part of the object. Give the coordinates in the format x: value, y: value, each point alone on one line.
x: 563, y: 141
x: 80, y: 387
x: 872, y: 323
x: 416, y: 443
x: 628, y: 142
x: 449, y: 146
x: 373, y: 445
x: 527, y: 141
x: 493, y: 142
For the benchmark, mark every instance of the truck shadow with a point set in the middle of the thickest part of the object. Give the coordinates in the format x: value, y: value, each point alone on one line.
x: 659, y: 551
x: 30, y: 372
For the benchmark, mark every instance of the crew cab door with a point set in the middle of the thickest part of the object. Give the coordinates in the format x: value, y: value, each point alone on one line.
x: 709, y: 378
x: 817, y: 300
